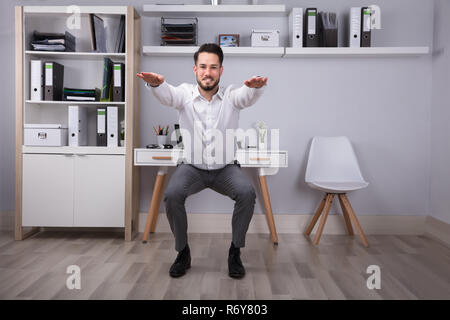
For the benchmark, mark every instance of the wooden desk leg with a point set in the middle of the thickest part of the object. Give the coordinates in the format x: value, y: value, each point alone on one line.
x: 154, y: 205
x: 158, y: 197
x: 268, y: 206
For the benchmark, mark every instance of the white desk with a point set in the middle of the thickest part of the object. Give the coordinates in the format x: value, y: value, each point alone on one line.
x: 267, y: 161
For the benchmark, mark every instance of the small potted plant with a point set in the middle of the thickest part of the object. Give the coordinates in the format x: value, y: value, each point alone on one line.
x: 261, y: 128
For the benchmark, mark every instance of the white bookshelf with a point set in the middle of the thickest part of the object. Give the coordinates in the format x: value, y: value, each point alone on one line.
x: 154, y: 10
x: 91, y: 186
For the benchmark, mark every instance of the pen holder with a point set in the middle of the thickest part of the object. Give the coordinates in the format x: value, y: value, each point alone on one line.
x: 162, y: 139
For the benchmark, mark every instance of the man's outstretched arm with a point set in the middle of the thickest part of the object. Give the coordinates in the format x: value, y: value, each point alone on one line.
x: 167, y: 94
x: 249, y: 93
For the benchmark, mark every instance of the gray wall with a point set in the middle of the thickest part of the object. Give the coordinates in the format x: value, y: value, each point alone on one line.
x: 382, y: 104
x: 440, y: 115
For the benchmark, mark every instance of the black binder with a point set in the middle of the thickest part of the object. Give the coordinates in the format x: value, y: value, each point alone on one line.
x: 54, y: 77
x: 311, y: 27
x: 366, y: 13
x: 102, y: 140
x: 328, y: 29
x: 119, y: 82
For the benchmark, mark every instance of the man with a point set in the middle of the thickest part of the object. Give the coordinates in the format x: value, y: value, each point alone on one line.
x: 202, y: 108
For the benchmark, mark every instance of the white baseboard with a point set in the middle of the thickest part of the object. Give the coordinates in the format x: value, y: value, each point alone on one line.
x: 293, y: 223
x: 438, y: 230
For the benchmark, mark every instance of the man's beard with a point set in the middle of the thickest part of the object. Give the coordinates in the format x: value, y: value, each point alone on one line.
x: 208, y: 88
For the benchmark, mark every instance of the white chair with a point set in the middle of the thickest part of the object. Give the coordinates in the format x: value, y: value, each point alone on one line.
x: 333, y: 168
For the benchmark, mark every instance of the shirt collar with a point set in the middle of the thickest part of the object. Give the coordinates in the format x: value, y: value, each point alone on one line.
x: 197, y: 94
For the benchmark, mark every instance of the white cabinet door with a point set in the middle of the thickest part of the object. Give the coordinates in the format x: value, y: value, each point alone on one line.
x: 99, y: 199
x: 47, y: 190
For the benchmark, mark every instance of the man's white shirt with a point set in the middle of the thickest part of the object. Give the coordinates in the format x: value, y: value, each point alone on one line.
x: 202, y: 119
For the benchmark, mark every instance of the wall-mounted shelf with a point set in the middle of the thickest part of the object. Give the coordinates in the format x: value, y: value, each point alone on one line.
x: 167, y: 51
x: 215, y: 11
x: 253, y: 51
x: 261, y: 11
x: 355, y: 52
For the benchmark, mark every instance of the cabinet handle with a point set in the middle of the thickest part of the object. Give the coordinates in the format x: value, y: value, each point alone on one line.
x: 161, y: 158
x: 260, y: 159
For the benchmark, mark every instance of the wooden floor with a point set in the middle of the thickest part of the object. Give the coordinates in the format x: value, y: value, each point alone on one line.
x: 412, y: 267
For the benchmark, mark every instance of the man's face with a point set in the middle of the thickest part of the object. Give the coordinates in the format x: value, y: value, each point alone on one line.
x: 208, y: 70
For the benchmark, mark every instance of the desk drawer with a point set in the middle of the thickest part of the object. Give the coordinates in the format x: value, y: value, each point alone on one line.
x: 262, y: 159
x: 148, y: 157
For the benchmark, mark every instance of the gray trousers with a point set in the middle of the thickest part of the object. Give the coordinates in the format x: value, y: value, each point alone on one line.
x: 229, y: 181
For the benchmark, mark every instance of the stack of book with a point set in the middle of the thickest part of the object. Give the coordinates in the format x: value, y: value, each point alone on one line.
x: 53, y: 41
x: 71, y: 94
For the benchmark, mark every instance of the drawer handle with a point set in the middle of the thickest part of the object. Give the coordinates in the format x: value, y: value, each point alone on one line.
x: 161, y: 158
x: 260, y: 159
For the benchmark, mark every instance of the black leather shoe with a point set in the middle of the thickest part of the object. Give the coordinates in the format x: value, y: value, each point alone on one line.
x: 182, y: 263
x: 235, y: 267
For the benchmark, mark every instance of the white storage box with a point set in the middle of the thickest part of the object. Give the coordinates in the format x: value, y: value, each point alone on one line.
x: 45, y: 135
x: 265, y: 38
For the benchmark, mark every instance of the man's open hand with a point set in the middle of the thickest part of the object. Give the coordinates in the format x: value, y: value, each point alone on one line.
x: 256, y: 82
x: 153, y: 79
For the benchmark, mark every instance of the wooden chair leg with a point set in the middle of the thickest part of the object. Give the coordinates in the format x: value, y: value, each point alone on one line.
x: 354, y: 220
x: 323, y: 219
x: 346, y: 217
x: 154, y: 206
x: 316, y: 216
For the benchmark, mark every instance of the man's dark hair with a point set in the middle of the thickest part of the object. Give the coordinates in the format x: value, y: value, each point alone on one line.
x: 211, y: 48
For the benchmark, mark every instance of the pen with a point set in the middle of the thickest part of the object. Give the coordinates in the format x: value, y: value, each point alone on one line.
x: 154, y: 129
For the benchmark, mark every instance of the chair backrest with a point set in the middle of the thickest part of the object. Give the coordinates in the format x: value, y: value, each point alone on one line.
x: 332, y: 159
